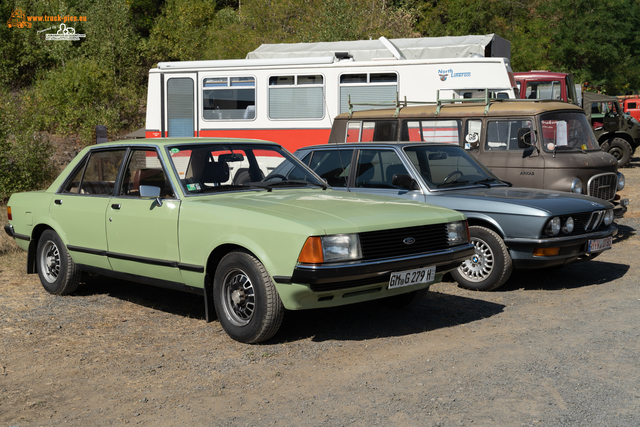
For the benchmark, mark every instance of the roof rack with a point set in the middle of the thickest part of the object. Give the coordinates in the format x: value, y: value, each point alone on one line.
x: 486, y: 101
x: 397, y: 104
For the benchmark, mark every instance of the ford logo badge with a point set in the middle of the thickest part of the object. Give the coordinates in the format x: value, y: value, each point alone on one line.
x: 409, y: 241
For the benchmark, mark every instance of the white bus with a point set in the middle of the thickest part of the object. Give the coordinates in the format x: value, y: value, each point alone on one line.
x: 289, y: 93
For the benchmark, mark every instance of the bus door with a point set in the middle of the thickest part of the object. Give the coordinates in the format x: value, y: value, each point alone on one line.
x: 180, y: 105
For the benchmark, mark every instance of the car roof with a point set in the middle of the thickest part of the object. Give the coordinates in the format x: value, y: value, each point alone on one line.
x: 347, y: 145
x: 163, y: 142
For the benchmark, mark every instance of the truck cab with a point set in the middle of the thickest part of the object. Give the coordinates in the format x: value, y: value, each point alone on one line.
x: 547, y: 85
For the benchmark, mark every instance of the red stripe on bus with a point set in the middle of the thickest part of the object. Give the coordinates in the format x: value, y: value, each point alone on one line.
x: 291, y: 139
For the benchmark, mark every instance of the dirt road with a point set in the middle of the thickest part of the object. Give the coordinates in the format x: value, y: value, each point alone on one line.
x: 554, y: 347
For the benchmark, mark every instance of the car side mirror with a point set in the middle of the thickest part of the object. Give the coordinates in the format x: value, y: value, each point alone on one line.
x: 405, y: 181
x: 151, y: 192
x: 524, y: 138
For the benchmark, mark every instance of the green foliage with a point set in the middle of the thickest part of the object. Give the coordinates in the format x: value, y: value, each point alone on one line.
x: 25, y: 153
x: 75, y: 98
x: 23, y: 51
x: 596, y: 40
x: 180, y: 33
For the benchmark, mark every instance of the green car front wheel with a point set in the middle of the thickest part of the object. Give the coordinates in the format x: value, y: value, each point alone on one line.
x: 247, y: 303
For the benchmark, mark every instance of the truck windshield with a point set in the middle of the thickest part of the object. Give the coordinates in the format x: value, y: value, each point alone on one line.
x: 567, y: 131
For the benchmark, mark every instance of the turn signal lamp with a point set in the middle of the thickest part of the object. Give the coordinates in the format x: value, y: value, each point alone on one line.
x: 9, y: 217
x: 311, y: 251
x: 546, y: 251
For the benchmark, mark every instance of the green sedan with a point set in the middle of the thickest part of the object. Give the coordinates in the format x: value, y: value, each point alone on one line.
x: 209, y: 216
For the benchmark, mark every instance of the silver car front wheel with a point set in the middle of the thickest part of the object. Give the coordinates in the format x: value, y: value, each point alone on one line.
x: 489, y: 267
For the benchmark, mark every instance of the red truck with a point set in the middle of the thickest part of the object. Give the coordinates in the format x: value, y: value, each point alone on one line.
x: 631, y: 104
x: 547, y: 85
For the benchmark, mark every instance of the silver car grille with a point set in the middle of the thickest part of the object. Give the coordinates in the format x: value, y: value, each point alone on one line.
x: 586, y: 222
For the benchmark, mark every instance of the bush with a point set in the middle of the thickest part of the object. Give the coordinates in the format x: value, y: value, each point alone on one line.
x: 82, y: 94
x: 24, y: 153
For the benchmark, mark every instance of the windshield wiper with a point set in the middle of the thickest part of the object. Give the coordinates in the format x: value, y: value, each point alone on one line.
x: 232, y: 187
x: 452, y: 183
x: 485, y: 181
x: 291, y: 182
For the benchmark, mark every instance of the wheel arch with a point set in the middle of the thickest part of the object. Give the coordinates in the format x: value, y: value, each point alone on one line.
x: 218, y: 253
x: 33, y: 245
x: 487, y: 222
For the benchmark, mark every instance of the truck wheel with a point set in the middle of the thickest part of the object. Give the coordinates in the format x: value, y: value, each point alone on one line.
x: 491, y: 264
x: 246, y: 300
x: 620, y: 149
x: 58, y: 273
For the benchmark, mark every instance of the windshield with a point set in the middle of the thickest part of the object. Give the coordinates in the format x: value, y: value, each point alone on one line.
x: 444, y: 166
x: 230, y: 167
x: 567, y: 131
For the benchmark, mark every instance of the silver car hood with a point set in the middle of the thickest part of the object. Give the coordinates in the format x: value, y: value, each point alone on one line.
x: 516, y: 200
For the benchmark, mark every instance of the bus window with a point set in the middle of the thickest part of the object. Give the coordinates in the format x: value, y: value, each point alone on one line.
x: 367, y: 88
x: 296, y: 97
x: 447, y: 131
x: 229, y: 98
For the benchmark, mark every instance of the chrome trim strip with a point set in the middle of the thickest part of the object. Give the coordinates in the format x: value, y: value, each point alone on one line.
x: 565, y: 240
x: 143, y: 260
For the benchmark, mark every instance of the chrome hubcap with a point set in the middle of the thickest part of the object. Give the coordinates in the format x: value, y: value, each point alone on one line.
x: 238, y: 298
x: 50, y: 262
x: 480, y: 265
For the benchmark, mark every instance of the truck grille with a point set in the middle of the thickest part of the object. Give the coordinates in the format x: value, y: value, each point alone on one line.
x: 603, y: 186
x: 386, y: 243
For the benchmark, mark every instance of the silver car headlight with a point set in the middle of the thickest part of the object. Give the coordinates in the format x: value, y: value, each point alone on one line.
x: 335, y: 248
x: 608, y: 217
x: 458, y: 233
x: 576, y: 186
x: 568, y: 225
x: 620, y: 181
x: 553, y: 226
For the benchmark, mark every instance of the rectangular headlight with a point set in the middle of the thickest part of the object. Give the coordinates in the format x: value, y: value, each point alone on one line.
x: 341, y: 247
x: 458, y: 233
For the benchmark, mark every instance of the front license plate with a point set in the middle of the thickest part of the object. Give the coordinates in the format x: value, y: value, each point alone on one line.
x: 599, y: 244
x: 412, y: 277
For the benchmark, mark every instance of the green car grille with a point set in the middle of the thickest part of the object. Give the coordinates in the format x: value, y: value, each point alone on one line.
x: 403, y: 241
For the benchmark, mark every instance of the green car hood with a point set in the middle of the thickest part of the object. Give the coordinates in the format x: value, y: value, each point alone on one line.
x: 332, y: 211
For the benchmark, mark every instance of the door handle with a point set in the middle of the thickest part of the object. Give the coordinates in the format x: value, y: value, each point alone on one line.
x: 115, y: 206
x: 58, y: 201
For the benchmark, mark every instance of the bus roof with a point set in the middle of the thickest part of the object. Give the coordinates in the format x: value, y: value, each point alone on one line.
x: 489, y: 45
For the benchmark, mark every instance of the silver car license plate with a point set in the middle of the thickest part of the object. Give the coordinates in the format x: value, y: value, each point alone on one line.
x: 599, y: 244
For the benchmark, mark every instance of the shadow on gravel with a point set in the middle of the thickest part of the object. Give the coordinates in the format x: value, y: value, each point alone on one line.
x: 374, y: 320
x: 627, y: 228
x: 166, y: 300
x: 572, y: 276
x: 353, y: 322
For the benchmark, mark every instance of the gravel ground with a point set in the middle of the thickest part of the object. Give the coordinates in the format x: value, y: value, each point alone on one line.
x: 556, y: 347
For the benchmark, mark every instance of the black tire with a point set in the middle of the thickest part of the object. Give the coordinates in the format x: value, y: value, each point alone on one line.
x: 58, y: 273
x: 246, y: 300
x: 405, y: 301
x: 491, y: 264
x: 620, y: 149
